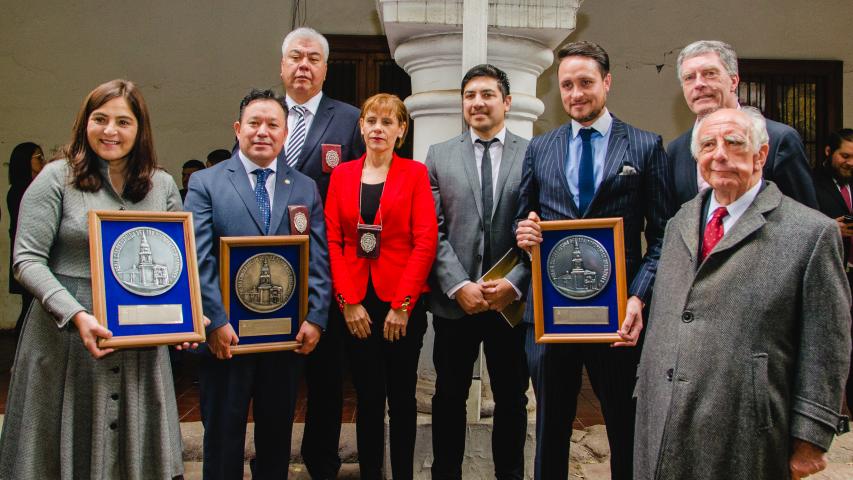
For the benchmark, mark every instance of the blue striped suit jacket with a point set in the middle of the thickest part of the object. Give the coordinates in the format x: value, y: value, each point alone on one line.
x: 642, y: 199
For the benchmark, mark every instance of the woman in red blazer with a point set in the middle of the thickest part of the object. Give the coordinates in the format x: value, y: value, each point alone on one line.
x: 382, y: 233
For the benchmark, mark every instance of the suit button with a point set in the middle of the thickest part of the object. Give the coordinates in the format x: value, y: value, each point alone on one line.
x: 114, y: 396
x: 115, y: 369
x: 687, y: 316
x: 113, y: 426
x: 479, y: 258
x: 669, y: 374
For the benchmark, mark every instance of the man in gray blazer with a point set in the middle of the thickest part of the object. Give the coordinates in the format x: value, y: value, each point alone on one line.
x: 249, y: 195
x: 708, y: 74
x: 475, y: 178
x: 749, y: 337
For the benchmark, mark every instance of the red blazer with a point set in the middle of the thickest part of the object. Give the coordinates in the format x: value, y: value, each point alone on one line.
x: 407, y: 243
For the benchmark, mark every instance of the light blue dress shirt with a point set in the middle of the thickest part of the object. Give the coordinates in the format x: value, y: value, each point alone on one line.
x: 599, y: 142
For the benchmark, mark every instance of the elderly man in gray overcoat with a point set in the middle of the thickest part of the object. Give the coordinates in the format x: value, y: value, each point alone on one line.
x: 748, y: 344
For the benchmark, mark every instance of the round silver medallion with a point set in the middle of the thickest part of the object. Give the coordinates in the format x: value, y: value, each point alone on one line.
x: 332, y: 158
x: 146, y: 261
x: 264, y: 282
x: 579, y: 267
x: 368, y: 242
x: 300, y: 221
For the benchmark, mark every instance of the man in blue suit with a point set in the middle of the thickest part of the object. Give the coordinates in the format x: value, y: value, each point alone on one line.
x: 323, y: 133
x: 595, y: 166
x: 249, y: 195
x: 708, y: 73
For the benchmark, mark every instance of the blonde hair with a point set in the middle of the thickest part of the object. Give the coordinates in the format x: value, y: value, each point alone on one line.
x: 386, y: 102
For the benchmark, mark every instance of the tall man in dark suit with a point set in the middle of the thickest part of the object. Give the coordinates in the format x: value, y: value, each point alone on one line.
x: 323, y: 133
x: 832, y: 182
x: 249, y: 195
x: 708, y: 74
x: 592, y: 167
x: 475, y: 179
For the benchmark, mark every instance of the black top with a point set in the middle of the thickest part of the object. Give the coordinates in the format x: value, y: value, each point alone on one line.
x: 370, y: 195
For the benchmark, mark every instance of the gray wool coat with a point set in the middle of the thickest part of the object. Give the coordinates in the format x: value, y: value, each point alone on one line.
x: 69, y: 416
x: 747, y: 351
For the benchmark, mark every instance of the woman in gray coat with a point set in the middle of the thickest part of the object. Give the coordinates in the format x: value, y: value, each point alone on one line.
x: 75, y: 410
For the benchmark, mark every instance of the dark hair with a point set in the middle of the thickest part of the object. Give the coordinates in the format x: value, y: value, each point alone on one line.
x: 218, y: 155
x: 193, y: 164
x: 256, y: 94
x: 833, y: 141
x: 589, y: 50
x: 20, y: 166
x: 142, y: 159
x: 487, y: 70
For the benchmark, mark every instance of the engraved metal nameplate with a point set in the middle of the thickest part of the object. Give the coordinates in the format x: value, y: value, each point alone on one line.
x: 266, y: 326
x: 150, y: 314
x: 581, y: 316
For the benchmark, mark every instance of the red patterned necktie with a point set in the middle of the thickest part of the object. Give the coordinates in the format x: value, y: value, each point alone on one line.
x: 845, y: 194
x: 713, y: 231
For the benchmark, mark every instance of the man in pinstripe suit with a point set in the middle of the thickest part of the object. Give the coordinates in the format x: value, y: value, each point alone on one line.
x: 592, y: 167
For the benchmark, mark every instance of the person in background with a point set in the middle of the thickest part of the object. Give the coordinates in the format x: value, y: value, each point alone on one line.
x: 217, y: 156
x: 25, y: 163
x: 832, y: 179
x: 189, y: 167
x: 382, y: 232
x: 75, y: 410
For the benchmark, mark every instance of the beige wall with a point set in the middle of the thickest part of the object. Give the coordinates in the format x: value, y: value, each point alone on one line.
x: 195, y: 60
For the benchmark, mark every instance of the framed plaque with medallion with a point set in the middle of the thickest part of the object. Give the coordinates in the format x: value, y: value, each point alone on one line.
x: 145, y: 286
x: 579, y: 286
x: 264, y: 282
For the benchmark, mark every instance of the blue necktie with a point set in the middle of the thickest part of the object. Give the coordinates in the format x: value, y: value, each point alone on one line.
x: 261, y: 195
x: 297, y: 137
x: 586, y: 173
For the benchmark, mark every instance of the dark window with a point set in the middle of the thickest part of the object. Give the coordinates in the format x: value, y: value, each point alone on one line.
x: 361, y: 66
x: 805, y: 94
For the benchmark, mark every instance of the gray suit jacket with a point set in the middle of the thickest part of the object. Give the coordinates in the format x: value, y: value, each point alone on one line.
x: 752, y: 345
x: 459, y: 208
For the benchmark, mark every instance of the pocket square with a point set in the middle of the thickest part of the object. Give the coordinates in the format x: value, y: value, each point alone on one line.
x: 628, y: 170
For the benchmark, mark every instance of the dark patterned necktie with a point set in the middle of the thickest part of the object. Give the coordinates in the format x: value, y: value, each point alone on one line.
x: 713, y: 231
x: 488, y: 201
x: 262, y: 196
x: 586, y: 171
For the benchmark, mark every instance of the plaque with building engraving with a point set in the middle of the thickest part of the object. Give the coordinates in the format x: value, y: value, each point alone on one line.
x: 264, y: 289
x: 145, y: 286
x: 578, y: 277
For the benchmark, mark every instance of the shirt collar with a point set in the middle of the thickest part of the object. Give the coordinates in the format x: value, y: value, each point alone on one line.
x: 501, y: 136
x: 312, y: 105
x: 740, y: 205
x: 601, y: 125
x: 251, y: 166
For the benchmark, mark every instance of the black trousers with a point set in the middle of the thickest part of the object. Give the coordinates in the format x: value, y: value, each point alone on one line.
x: 226, y: 387
x: 324, y: 384
x: 457, y: 345
x: 380, y: 370
x: 556, y: 371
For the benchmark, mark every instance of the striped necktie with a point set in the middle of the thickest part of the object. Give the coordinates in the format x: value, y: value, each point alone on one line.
x: 297, y: 136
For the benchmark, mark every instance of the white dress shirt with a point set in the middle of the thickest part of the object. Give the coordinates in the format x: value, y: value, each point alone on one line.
x: 251, y: 166
x: 735, y: 208
x: 312, y: 105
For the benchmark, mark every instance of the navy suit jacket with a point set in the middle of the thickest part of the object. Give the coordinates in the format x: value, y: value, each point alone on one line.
x: 336, y: 123
x: 223, y: 204
x: 644, y: 197
x: 787, y: 165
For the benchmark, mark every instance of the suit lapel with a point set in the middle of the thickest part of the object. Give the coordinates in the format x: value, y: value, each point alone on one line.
x: 325, y: 113
x: 690, y: 168
x: 751, y: 220
x: 240, y: 180
x: 826, y: 183
x: 508, y: 159
x: 560, y: 150
x: 394, y: 182
x: 617, y: 145
x: 466, y: 153
x: 689, y: 228
x: 281, y: 197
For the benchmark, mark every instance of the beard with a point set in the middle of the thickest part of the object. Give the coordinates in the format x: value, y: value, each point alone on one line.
x: 592, y: 115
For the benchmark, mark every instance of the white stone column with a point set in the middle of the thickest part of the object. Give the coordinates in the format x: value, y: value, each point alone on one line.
x: 426, y: 40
